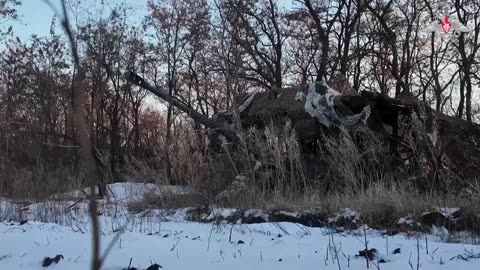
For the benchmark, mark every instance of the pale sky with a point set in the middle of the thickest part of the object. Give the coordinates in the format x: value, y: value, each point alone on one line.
x: 36, y: 15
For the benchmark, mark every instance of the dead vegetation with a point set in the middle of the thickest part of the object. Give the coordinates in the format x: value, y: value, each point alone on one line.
x: 267, y: 165
x: 270, y: 172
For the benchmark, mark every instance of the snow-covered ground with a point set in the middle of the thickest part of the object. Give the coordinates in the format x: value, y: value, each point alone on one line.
x: 174, y: 243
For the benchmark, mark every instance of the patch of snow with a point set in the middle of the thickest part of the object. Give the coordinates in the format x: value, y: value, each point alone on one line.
x: 129, y: 192
x: 290, y: 214
x: 447, y: 211
x: 205, y: 246
x: 406, y: 220
x: 126, y: 192
x: 440, y: 232
x: 167, y: 238
x: 346, y: 213
x: 300, y: 96
x: 221, y: 212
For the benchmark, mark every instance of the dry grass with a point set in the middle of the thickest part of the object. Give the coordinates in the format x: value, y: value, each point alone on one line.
x: 269, y: 172
x: 359, y: 176
x: 40, y: 183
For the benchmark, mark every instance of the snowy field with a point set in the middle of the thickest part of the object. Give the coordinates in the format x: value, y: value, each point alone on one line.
x: 174, y: 243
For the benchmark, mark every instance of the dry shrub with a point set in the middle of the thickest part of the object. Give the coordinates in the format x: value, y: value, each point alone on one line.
x: 136, y: 170
x: 33, y: 168
x: 267, y: 165
x: 273, y: 168
x: 355, y: 160
x: 40, y: 182
x: 272, y: 159
x: 470, y: 205
x: 268, y: 171
x: 362, y: 175
x: 189, y: 159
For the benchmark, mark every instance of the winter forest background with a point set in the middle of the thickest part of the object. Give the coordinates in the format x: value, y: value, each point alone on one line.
x: 209, y: 55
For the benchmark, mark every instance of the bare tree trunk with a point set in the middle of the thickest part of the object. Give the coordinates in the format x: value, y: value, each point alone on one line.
x: 468, y: 95
x: 168, y: 141
x: 461, y: 102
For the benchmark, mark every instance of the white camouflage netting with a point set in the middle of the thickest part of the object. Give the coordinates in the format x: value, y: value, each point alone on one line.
x: 322, y: 106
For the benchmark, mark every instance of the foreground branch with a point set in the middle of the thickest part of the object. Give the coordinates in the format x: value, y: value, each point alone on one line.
x: 81, y: 129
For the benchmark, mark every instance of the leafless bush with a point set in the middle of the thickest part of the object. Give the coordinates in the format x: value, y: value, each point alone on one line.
x: 39, y: 182
x: 272, y: 159
x: 354, y: 160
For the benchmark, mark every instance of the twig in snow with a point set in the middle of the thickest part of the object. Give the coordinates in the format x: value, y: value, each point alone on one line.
x: 336, y: 253
x: 209, y: 237
x: 328, y: 247
x: 386, y: 238
x: 281, y: 228
x: 221, y: 255
x: 75, y: 203
x: 12, y: 229
x: 346, y: 257
x: 112, y: 243
x: 418, y: 252
x: 468, y: 255
x: 426, y: 243
x: 175, y: 245
x: 230, y: 236
x: 410, y: 260
x: 366, y: 245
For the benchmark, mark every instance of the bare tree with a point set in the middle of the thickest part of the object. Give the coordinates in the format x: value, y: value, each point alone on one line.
x: 8, y: 11
x: 324, y: 32
x: 468, y: 46
x: 168, y: 19
x: 402, y: 47
x: 258, y: 29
